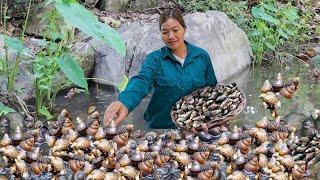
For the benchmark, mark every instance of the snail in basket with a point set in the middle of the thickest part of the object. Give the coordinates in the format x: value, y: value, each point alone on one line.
x: 208, y: 107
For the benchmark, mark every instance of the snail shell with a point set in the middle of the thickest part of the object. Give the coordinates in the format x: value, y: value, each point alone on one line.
x: 288, y: 91
x: 182, y: 158
x: 88, y: 168
x: 278, y: 84
x: 201, y: 157
x: 113, y: 176
x: 124, y: 161
x: 194, y: 145
x: 93, y: 128
x: 252, y: 165
x: 5, y: 140
x: 9, y: 151
x: 22, y: 168
x: 143, y: 146
x: 226, y: 150
x: 97, y: 174
x: 270, y: 98
x: 298, y: 172
x: 81, y: 143
x: 129, y: 172
x: 33, y: 155
x: 80, y: 126
x: 100, y: 134
x: 287, y: 161
x: 38, y: 168
x: 66, y: 126
x: 146, y: 166
x: 111, y: 130
x: 50, y: 140
x: 63, y: 115
x: 75, y: 165
x: 205, y: 175
x: 161, y: 160
x: 93, y: 117
x: 263, y: 160
x: 262, y: 123
x: 261, y: 135
x: 223, y: 140
x: 103, y: 145
x: 121, y: 139
x: 58, y: 165
x: 237, y: 175
x: 17, y: 136
x: 55, y: 128
x: 27, y: 144
x: 60, y: 145
x: 72, y: 135
x: 266, y: 87
x: 244, y: 145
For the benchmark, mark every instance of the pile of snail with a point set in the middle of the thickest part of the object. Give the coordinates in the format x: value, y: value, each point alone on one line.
x: 261, y: 152
x: 85, y: 150
x: 307, y: 147
x: 208, y: 107
x: 271, y: 92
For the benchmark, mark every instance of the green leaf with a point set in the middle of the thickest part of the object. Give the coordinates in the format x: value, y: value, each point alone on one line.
x: 270, y: 46
x: 44, y: 111
x: 5, y: 109
x: 79, y: 17
x: 258, y: 12
x: 282, y: 33
x: 14, y: 44
x: 123, y: 84
x: 73, y: 71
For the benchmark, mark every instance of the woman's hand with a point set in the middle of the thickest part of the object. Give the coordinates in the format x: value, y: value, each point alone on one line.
x: 116, y: 112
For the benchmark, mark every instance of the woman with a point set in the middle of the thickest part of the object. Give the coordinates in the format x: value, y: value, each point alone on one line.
x: 174, y: 71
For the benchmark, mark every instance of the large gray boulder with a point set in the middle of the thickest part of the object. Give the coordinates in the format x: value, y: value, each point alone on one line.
x: 226, y: 43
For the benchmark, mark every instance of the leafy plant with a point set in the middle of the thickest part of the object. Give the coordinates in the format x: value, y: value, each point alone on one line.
x: 5, y: 109
x: 271, y: 27
x: 10, y: 69
x: 56, y: 55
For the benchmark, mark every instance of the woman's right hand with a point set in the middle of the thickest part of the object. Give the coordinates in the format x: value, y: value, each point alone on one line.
x: 116, y: 112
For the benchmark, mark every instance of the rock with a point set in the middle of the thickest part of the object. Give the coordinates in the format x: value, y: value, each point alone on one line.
x: 24, y: 79
x: 15, y: 119
x: 227, y: 45
x: 39, y: 19
x: 84, y: 55
x: 114, y: 5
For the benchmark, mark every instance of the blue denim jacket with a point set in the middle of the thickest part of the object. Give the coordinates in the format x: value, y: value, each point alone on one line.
x: 170, y: 80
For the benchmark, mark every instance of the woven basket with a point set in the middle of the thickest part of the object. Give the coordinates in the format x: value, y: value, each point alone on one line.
x: 217, y: 120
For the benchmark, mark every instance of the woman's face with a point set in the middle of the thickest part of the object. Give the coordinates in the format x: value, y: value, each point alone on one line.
x: 172, y: 33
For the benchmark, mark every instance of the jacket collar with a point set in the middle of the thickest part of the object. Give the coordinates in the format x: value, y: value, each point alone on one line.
x: 192, y: 52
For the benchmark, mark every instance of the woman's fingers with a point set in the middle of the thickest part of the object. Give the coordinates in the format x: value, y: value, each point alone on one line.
x: 123, y: 113
x: 116, y: 111
x: 110, y: 113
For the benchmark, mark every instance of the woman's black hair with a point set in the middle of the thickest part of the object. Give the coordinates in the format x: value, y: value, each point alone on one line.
x: 172, y: 13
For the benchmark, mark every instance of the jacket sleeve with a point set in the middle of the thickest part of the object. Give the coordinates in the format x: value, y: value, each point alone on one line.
x: 210, y: 75
x: 140, y: 85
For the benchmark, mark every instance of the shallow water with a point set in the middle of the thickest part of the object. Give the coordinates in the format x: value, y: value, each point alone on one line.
x: 304, y: 102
